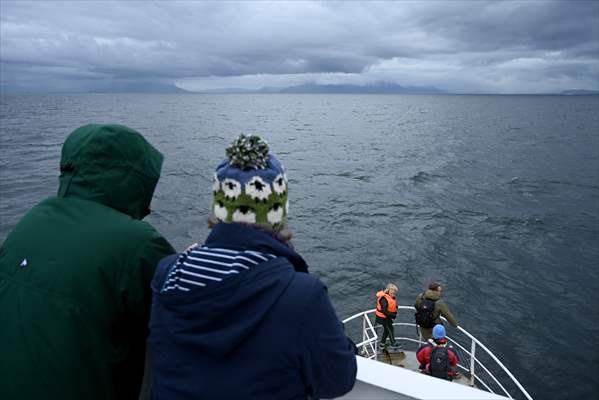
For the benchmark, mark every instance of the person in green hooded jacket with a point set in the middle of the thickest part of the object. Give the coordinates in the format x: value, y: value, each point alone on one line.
x: 75, y: 274
x: 433, y: 296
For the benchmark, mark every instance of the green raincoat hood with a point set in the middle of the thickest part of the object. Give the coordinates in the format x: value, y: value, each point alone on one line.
x: 112, y: 165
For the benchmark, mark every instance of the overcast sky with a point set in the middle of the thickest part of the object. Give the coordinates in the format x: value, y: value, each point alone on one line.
x: 471, y: 46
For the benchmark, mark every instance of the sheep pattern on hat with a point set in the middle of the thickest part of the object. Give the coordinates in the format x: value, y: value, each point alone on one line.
x: 250, y: 185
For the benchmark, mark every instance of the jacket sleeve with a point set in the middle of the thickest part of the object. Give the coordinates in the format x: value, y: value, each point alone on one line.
x: 328, y: 364
x: 138, y: 295
x: 135, y: 295
x: 384, y: 305
x: 421, y: 356
x: 447, y: 314
x: 453, y: 357
x: 418, y: 301
x: 385, y: 308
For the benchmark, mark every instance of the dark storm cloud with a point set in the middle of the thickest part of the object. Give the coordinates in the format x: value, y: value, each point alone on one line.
x: 461, y: 46
x: 528, y: 25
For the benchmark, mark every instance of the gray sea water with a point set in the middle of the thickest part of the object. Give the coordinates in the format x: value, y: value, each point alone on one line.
x: 497, y: 197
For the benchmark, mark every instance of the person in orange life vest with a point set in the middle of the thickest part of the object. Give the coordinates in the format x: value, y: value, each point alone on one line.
x: 436, y: 358
x: 386, y: 311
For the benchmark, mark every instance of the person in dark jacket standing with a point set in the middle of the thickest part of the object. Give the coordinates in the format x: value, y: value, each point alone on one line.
x: 386, y: 312
x: 75, y: 274
x: 436, y: 358
x: 239, y: 317
x: 432, y: 298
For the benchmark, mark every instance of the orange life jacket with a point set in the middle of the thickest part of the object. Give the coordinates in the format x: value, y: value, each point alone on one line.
x: 391, y: 304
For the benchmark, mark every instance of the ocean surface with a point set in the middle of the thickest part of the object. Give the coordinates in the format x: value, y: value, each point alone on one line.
x: 497, y: 197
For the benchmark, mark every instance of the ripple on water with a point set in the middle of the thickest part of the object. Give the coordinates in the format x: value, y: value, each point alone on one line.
x: 495, y: 196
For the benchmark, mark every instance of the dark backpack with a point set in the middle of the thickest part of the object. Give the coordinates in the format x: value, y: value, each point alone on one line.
x: 439, y: 366
x: 424, y: 313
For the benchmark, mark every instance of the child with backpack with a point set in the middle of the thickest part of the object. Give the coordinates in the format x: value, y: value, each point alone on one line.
x: 436, y: 358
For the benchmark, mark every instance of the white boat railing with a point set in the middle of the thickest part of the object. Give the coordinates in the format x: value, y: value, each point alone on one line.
x: 369, y: 349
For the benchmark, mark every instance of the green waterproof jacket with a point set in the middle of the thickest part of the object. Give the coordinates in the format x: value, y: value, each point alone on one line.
x: 441, y: 308
x: 75, y: 274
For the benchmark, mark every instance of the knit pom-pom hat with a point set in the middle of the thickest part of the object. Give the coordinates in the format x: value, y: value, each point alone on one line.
x: 250, y: 185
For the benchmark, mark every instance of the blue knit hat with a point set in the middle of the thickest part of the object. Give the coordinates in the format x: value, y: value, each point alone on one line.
x: 438, y: 332
x: 250, y: 185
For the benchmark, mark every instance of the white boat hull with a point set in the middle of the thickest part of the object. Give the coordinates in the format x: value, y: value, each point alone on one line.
x: 377, y: 380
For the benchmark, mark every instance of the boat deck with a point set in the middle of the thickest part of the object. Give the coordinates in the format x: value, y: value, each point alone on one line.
x: 407, y: 359
x: 394, y: 372
x: 381, y: 381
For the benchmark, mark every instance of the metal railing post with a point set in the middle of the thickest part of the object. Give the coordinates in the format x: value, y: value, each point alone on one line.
x: 376, y: 341
x: 472, y: 359
x: 364, y: 329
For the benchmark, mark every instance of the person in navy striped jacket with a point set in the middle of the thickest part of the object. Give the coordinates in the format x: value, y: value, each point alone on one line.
x: 239, y: 317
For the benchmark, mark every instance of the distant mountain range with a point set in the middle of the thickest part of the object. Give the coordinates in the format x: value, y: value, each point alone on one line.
x: 138, y: 87
x: 374, y: 88
x: 578, y: 92
x: 378, y: 88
